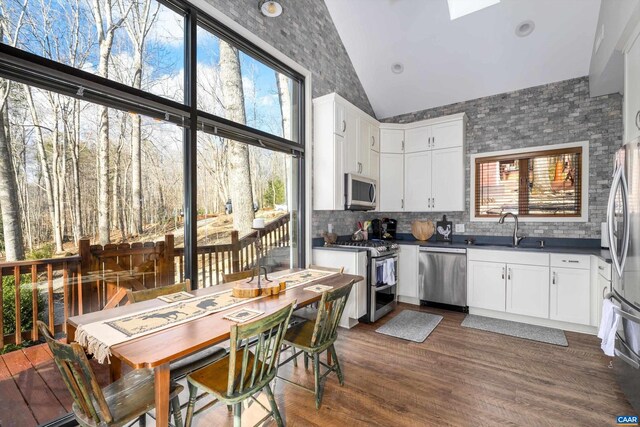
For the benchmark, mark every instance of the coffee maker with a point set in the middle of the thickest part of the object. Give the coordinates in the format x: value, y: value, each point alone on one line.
x: 389, y: 228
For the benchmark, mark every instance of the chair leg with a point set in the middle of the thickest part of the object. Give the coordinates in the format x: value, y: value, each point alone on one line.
x: 295, y: 359
x: 177, y: 415
x: 336, y: 364
x: 193, y: 394
x: 142, y: 421
x: 306, y: 361
x: 237, y: 414
x: 318, y: 383
x: 274, y: 406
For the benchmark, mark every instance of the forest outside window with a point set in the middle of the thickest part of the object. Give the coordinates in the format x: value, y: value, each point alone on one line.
x: 540, y: 183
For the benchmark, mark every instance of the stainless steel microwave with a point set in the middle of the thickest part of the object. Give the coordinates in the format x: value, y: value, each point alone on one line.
x: 359, y: 192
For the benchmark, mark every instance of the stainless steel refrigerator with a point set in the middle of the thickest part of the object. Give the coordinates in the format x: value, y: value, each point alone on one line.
x: 623, y: 220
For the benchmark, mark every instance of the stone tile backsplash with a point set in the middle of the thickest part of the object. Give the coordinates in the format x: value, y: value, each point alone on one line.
x: 551, y: 114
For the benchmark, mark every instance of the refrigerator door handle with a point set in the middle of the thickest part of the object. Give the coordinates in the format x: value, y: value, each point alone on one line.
x: 619, y: 181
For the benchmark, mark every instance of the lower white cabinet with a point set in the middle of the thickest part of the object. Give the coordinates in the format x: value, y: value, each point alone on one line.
x: 486, y: 285
x: 570, y: 299
x: 528, y: 290
x: 354, y: 262
x: 408, y: 279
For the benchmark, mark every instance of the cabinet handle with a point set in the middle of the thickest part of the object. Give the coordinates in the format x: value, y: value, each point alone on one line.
x: 402, y: 203
x: 373, y: 141
x: 433, y: 142
x: 638, y: 119
x: 433, y: 202
x: 553, y: 278
x: 600, y: 267
x: 428, y: 202
x: 344, y: 126
x: 509, y: 275
x: 503, y: 272
x: 402, y: 145
x: 603, y: 291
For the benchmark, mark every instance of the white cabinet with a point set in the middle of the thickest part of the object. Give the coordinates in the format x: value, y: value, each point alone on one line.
x: 632, y: 89
x: 434, y: 172
x: 528, y: 290
x: 570, y: 299
x: 390, y: 187
x: 392, y: 141
x: 343, y: 138
x: 408, y: 279
x: 447, y: 180
x: 354, y: 262
x: 486, y: 285
x: 417, y: 181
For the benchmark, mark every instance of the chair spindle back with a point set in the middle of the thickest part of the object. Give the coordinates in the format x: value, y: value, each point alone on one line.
x: 147, y: 294
x: 78, y: 377
x: 330, y: 310
x: 267, y: 334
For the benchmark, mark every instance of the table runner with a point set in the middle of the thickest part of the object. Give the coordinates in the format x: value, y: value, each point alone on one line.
x: 99, y: 337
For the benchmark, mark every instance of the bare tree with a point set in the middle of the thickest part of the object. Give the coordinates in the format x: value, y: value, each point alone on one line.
x: 138, y: 26
x: 284, y: 95
x: 105, y: 28
x: 239, y: 170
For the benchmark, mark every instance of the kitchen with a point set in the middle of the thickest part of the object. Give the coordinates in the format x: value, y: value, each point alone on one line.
x: 542, y: 260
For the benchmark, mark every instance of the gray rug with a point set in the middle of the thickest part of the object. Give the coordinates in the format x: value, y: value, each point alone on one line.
x: 411, y: 325
x: 516, y: 329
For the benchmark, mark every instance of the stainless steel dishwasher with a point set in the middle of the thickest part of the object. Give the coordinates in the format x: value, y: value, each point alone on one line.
x: 442, y: 276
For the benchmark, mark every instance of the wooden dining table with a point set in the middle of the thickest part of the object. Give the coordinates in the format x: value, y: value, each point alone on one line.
x: 158, y: 349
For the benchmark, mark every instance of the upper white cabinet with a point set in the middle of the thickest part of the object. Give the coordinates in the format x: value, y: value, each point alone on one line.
x: 345, y: 140
x: 434, y: 165
x: 632, y: 88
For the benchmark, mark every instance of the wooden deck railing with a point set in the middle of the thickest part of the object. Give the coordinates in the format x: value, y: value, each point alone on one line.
x: 97, y: 278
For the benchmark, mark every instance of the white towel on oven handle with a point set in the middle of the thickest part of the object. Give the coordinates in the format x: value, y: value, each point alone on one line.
x: 389, y: 271
x: 608, y: 327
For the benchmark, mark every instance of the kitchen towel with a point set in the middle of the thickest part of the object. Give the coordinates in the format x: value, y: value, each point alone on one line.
x: 389, y: 271
x: 608, y: 327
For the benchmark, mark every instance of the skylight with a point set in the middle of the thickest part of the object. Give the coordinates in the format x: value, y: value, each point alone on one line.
x: 458, y: 8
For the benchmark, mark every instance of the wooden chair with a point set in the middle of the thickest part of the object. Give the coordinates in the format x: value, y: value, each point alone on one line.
x: 119, y: 403
x: 313, y: 338
x: 245, y: 371
x: 232, y: 277
x: 181, y: 367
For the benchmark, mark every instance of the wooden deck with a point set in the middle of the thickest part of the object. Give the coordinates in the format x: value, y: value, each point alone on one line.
x: 31, y: 388
x: 458, y: 376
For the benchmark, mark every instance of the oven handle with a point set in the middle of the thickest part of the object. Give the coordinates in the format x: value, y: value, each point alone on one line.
x: 382, y: 288
x: 383, y: 257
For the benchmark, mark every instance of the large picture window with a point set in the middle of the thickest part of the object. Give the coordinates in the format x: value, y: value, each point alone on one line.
x: 540, y: 183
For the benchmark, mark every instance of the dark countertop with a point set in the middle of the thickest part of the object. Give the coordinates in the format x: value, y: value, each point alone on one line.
x: 602, y: 253
x: 500, y: 243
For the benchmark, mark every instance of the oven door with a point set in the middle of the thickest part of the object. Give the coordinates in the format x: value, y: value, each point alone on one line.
x: 384, y: 285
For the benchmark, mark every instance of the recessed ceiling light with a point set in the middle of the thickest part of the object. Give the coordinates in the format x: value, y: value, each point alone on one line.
x: 270, y: 9
x: 458, y: 8
x: 397, y: 68
x: 525, y: 28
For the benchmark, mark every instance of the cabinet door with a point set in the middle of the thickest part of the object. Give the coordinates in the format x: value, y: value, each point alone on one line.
x: 364, y: 146
x: 486, y: 285
x: 417, y: 139
x: 351, y: 162
x: 391, y: 141
x: 338, y: 173
x: 528, y: 290
x: 374, y: 172
x: 339, y: 119
x: 417, y: 181
x: 632, y: 92
x: 408, y: 271
x: 391, y: 183
x: 570, y: 297
x: 447, y: 135
x: 447, y: 188
x: 374, y: 136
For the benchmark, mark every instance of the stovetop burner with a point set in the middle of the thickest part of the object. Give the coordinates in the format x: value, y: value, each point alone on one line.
x: 378, y: 245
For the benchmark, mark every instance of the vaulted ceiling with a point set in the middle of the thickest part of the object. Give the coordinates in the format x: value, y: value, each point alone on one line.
x: 447, y: 61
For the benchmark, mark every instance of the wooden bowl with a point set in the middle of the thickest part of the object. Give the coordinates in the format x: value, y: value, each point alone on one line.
x: 422, y: 230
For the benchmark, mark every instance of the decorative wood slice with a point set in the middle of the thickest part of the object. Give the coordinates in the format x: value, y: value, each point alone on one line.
x: 251, y: 290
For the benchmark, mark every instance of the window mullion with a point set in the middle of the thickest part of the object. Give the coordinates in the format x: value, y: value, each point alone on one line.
x: 523, y: 189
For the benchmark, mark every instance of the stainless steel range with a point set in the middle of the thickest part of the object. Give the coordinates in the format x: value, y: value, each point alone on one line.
x: 382, y: 278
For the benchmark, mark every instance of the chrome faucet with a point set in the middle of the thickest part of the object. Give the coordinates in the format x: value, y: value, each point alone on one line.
x: 516, y: 238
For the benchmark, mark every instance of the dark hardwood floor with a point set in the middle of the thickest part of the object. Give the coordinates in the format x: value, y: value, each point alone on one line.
x: 458, y: 376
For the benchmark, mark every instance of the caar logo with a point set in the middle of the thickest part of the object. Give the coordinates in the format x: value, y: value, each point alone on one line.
x: 627, y: 420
